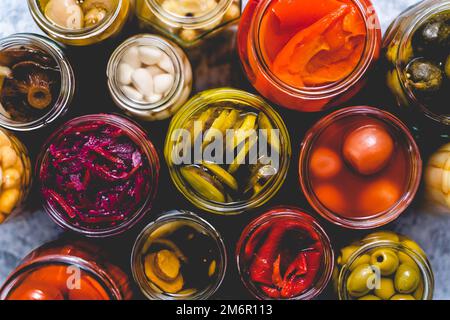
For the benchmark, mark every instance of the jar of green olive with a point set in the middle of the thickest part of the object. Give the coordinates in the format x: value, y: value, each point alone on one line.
x: 15, y: 175
x: 383, y: 266
x: 417, y: 49
x: 188, y: 21
x: 80, y: 22
x: 227, y: 151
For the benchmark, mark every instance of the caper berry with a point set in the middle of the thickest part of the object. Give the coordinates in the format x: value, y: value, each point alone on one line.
x: 424, y: 76
x: 386, y: 260
x: 406, y: 279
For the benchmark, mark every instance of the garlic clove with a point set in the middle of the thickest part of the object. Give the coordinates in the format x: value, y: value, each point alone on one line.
x: 132, y: 93
x: 166, y: 64
x: 143, y: 81
x: 124, y: 72
x: 65, y: 14
x: 163, y: 83
x: 155, y: 71
x: 131, y: 57
x: 154, y: 98
x: 150, y: 55
x: 94, y: 16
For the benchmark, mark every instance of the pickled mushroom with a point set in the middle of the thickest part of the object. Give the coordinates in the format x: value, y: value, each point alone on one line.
x: 151, y: 266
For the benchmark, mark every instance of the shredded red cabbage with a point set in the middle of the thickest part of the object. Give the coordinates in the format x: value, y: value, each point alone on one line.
x: 96, y: 175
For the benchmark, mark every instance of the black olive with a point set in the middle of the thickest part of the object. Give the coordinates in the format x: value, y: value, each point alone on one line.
x: 424, y: 76
x: 433, y: 36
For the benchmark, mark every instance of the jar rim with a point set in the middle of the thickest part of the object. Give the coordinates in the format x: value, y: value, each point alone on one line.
x: 165, y: 45
x: 138, y: 135
x: 371, y: 51
x: 288, y: 212
x: 67, y: 76
x: 168, y: 217
x: 421, y: 261
x: 204, y: 99
x: 378, y: 219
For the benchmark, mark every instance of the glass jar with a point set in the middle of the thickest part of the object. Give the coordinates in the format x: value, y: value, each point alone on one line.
x: 285, y: 240
x: 168, y: 63
x: 260, y: 70
x: 15, y: 172
x: 64, y: 270
x: 31, y: 54
x: 187, y: 22
x: 422, y: 106
x: 384, y: 266
x: 332, y: 173
x: 228, y: 169
x: 98, y: 175
x: 437, y: 178
x: 179, y: 256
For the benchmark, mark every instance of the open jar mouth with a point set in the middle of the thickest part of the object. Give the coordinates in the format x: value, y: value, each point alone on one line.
x: 114, y: 85
x: 235, y: 97
x: 188, y: 22
x: 72, y: 34
x: 67, y: 77
x: 380, y: 218
x: 422, y: 263
x: 138, y: 136
x: 287, y: 214
x: 182, y: 217
x: 402, y: 53
x: 370, y: 51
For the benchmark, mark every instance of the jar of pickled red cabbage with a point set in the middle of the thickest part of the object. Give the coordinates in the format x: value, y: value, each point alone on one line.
x: 383, y: 266
x: 80, y: 23
x: 188, y: 22
x: 64, y: 270
x: 228, y: 151
x: 308, y: 55
x: 98, y: 175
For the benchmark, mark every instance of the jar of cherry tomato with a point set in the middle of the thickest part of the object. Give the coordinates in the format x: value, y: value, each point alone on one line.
x: 384, y: 266
x: 308, y: 55
x: 285, y: 254
x: 66, y: 271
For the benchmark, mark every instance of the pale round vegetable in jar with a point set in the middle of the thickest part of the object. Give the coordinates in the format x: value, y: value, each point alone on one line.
x: 149, y: 77
x: 437, y: 178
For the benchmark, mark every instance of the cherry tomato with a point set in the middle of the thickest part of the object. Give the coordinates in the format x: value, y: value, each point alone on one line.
x: 331, y: 197
x: 89, y: 289
x: 379, y: 196
x: 325, y: 163
x: 30, y: 290
x: 368, y: 149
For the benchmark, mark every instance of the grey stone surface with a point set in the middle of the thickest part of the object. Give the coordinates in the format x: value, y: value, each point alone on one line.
x: 30, y: 230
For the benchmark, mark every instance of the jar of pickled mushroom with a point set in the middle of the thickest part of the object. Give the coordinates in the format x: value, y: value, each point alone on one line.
x: 37, y: 82
x: 64, y: 270
x: 383, y: 266
x: 437, y: 178
x: 15, y: 174
x: 80, y: 22
x: 285, y: 254
x: 187, y: 22
x: 98, y: 175
x: 179, y: 256
x: 308, y: 55
x: 149, y: 77
x: 417, y: 48
x: 359, y: 167
x: 227, y: 151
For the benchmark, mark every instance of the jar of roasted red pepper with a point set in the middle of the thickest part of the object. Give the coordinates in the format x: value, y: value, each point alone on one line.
x: 359, y: 167
x: 98, y: 175
x: 66, y: 271
x: 308, y: 55
x: 285, y: 254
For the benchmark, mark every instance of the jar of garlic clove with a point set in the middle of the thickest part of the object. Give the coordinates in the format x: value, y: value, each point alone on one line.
x: 149, y: 77
x: 437, y: 179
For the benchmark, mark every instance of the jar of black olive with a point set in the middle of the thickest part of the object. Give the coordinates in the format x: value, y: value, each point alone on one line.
x: 417, y: 48
x: 37, y: 82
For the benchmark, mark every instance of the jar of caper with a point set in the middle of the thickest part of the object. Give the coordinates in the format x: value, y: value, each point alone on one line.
x: 417, y: 49
x: 383, y: 266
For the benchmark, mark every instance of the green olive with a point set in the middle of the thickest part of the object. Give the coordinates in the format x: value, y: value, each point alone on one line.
x: 369, y: 297
x: 386, y: 260
x: 386, y: 289
x: 412, y: 245
x: 403, y: 297
x: 433, y: 36
x: 359, y: 281
x: 424, y: 76
x: 406, y: 279
x: 447, y: 67
x: 418, y: 294
x: 364, y: 259
x: 405, y: 258
x: 346, y: 253
x: 382, y: 235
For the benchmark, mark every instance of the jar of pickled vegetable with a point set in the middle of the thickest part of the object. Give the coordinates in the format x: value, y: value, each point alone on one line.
x: 180, y: 256
x: 64, y: 270
x: 308, y: 55
x: 80, y: 22
x: 417, y: 48
x: 187, y: 22
x: 359, y: 167
x: 227, y: 151
x: 15, y: 174
x: 437, y: 178
x: 98, y: 175
x: 285, y: 254
x: 384, y: 266
x: 37, y: 82
x: 149, y: 77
